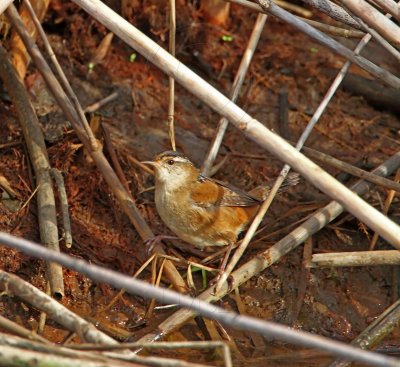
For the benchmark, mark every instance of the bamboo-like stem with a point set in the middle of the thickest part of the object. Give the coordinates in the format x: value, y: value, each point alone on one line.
x: 72, y: 357
x: 388, y: 202
x: 16, y: 357
x: 303, y: 12
x: 375, y: 332
x: 234, y: 93
x: 252, y: 128
x: 212, y: 344
x: 302, y: 279
x: 271, y: 8
x: 390, y: 6
x: 127, y: 203
x: 273, y: 254
x: 59, y: 179
x: 54, y: 310
x: 48, y: 349
x: 326, y: 6
x: 353, y: 170
x: 171, y: 101
x: 334, y: 31
x: 96, y: 106
x: 334, y: 46
x: 19, y: 330
x: 380, y: 39
x: 268, y: 329
x: 63, y: 79
x: 253, y: 228
x: 4, y: 5
x: 36, y: 145
x: 374, y: 19
x: 122, y: 291
x: 285, y: 170
x: 358, y: 258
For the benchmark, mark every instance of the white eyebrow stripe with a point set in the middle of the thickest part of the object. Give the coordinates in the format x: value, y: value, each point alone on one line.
x: 178, y: 159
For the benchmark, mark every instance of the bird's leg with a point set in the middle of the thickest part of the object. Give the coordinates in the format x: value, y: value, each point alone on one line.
x: 224, y: 261
x: 222, y: 266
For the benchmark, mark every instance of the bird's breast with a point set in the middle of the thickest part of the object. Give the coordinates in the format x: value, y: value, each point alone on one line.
x: 176, y: 211
x: 200, y: 226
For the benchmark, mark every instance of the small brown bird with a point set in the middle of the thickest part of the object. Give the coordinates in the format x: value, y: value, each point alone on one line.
x: 202, y: 211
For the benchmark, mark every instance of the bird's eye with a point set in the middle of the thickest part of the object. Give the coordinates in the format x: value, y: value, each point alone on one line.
x: 171, y: 162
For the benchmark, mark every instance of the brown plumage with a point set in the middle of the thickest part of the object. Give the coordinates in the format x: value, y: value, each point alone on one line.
x: 202, y: 211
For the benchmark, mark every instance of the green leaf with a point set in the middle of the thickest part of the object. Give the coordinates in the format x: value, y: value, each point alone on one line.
x: 132, y: 57
x: 227, y: 38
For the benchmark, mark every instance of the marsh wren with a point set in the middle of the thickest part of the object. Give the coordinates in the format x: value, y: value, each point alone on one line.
x: 202, y: 211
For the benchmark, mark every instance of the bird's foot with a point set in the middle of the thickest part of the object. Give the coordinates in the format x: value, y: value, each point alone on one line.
x: 151, y: 242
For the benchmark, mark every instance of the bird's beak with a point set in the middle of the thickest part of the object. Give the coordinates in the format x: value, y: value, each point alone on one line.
x: 150, y: 163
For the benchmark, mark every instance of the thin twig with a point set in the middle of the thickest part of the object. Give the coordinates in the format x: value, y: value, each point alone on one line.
x: 44, y: 355
x: 333, y: 162
x: 285, y: 170
x: 234, y: 93
x: 353, y: 170
x: 10, y: 144
x: 163, y: 345
x: 268, y: 329
x: 295, y: 8
x: 96, y: 106
x: 324, y: 40
x: 126, y: 202
x: 59, y: 179
x: 252, y: 128
x: 334, y: 31
x: 43, y: 315
x: 24, y: 357
x: 30, y: 198
x: 63, y: 79
x: 326, y: 6
x: 156, y: 283
x: 358, y: 258
x: 19, y: 330
x: 35, y: 143
x: 378, y: 38
x: 122, y: 291
x: 374, y: 18
x: 114, y: 159
x: 390, y: 7
x: 171, y: 94
x: 142, y: 166
x: 54, y: 310
x: 375, y: 332
x: 4, y: 5
x: 303, y: 279
x: 6, y: 186
x: 388, y: 202
x: 313, y: 224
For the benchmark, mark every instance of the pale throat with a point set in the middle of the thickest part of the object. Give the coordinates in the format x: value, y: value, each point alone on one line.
x: 174, y: 181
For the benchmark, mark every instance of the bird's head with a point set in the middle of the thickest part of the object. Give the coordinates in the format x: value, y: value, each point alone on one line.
x: 173, y: 168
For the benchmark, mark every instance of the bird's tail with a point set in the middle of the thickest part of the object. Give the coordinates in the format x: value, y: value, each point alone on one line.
x: 261, y: 192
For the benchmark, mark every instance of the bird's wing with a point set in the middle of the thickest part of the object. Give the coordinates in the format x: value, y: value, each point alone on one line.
x: 208, y: 192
